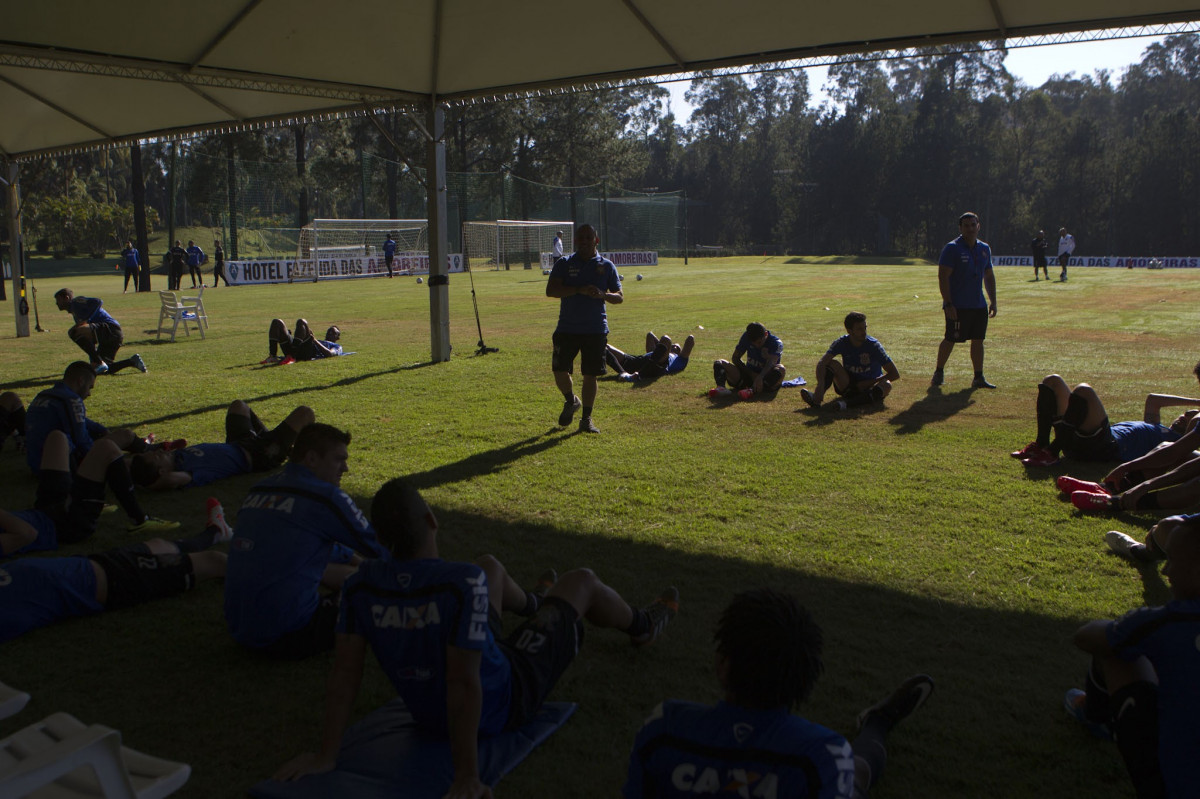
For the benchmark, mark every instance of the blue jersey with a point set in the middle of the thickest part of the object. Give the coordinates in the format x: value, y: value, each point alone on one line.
x: 91, y: 310
x: 579, y: 313
x: 131, y: 257
x: 865, y: 362
x: 334, y: 346
x: 675, y: 363
x: 35, y: 592
x: 389, y: 247
x: 209, y: 462
x: 59, y: 408
x: 286, y: 534
x: 1167, y: 637
x: 47, y: 533
x: 410, y: 611
x: 758, y: 358
x: 687, y: 749
x: 1135, y: 439
x: 195, y: 256
x: 967, y: 265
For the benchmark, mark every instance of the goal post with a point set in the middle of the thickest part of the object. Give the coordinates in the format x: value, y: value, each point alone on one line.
x: 326, y: 243
x: 506, y: 243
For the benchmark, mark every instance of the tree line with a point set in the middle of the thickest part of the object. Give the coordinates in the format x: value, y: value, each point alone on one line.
x: 884, y: 167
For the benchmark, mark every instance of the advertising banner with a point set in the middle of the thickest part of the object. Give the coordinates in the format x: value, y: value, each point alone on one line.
x: 281, y: 271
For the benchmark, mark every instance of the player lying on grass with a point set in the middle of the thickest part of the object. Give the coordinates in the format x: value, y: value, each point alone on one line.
x: 302, y: 345
x: 61, y: 408
x: 36, y: 592
x: 249, y: 447
x: 1166, y: 478
x: 1141, y: 688
x: 297, y: 533
x: 68, y: 505
x: 434, y: 626
x: 761, y: 371
x: 864, y: 375
x: 663, y: 357
x: 1082, y: 430
x: 750, y: 744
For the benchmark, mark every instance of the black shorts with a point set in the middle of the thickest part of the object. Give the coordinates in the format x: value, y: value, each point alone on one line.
x: 109, y: 339
x: 1039, y: 262
x: 539, y: 651
x: 971, y: 325
x: 645, y: 365
x: 1064, y: 259
x: 748, y: 374
x: 136, y: 575
x: 315, y: 637
x: 73, y: 504
x: 588, y: 346
x: 1095, y: 446
x: 266, y: 450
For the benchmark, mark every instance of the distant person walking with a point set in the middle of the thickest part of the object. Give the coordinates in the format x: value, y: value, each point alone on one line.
x: 964, y: 271
x: 132, y: 265
x: 1066, y: 248
x: 556, y: 249
x: 1038, y: 247
x: 176, y: 256
x: 219, y: 265
x: 195, y: 257
x: 389, y: 252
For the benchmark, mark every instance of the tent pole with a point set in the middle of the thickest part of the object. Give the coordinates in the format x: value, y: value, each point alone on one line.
x: 439, y: 245
x: 16, y: 251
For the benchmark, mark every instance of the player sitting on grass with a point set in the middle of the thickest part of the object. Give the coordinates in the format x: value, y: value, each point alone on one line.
x: 68, y: 505
x: 301, y: 345
x: 36, y: 592
x: 1082, y: 430
x: 434, y: 627
x: 865, y: 374
x: 750, y: 744
x: 663, y: 357
x: 297, y: 532
x: 762, y: 370
x: 1149, y: 552
x: 1141, y: 688
x: 249, y: 447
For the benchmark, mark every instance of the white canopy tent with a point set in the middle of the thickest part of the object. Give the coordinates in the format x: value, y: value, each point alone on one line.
x: 80, y: 75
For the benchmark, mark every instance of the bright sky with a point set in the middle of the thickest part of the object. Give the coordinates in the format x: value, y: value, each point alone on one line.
x: 1033, y: 65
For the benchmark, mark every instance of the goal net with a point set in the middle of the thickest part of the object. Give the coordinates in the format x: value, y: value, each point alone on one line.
x: 342, y: 248
x: 508, y: 243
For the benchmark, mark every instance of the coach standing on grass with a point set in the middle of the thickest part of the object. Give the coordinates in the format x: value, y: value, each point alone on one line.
x: 583, y: 282
x: 964, y: 271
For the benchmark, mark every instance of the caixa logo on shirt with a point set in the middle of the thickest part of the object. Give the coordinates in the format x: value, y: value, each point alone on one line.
x: 406, y: 617
x: 690, y: 778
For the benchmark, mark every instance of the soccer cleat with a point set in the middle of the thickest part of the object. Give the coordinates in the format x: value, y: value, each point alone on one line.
x: 288, y: 361
x: 746, y: 393
x: 545, y: 582
x: 269, y: 360
x: 720, y: 391
x: 138, y: 363
x: 173, y: 444
x: 1127, y: 546
x: 1086, y: 500
x: 1027, y: 451
x: 981, y: 382
x: 1075, y: 703
x: 568, y: 411
x: 216, y: 518
x: 1069, y: 485
x: 1042, y: 457
x: 153, y: 525
x: 586, y: 426
x: 900, y: 703
x: 660, y: 611
x: 101, y: 368
x: 938, y: 378
x: 808, y: 397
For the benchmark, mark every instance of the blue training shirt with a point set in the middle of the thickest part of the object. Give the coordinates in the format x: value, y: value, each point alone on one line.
x: 59, y: 408
x: 580, y: 314
x: 286, y: 534
x: 865, y: 362
x: 687, y: 749
x: 966, y: 278
x: 131, y: 257
x: 757, y: 358
x: 409, y: 612
x: 90, y: 310
x: 1167, y: 636
x: 36, y: 592
x: 209, y: 462
x: 195, y: 255
x: 1135, y: 439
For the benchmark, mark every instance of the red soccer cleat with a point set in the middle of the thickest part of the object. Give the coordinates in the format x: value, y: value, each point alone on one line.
x: 1069, y: 485
x: 1025, y: 451
x: 1040, y: 457
x: 1087, y: 501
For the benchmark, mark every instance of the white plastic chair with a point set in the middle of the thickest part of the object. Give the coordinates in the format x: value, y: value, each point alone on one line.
x: 198, y: 300
x: 62, y: 758
x: 174, y: 309
x: 12, y: 701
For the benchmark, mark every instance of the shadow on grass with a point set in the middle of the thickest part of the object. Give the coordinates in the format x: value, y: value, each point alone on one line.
x: 935, y: 406
x: 1000, y: 672
x: 31, y: 382
x: 491, y: 461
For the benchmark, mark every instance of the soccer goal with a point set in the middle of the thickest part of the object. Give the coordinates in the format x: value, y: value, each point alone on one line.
x: 342, y: 248
x: 506, y: 243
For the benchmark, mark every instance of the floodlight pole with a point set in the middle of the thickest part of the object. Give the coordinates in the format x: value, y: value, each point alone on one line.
x: 439, y: 245
x: 16, y: 252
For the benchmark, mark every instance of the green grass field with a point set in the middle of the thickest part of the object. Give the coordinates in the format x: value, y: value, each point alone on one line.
x: 914, y: 538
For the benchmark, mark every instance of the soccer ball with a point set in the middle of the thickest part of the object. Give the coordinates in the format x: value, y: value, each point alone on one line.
x: 639, y: 277
x: 419, y: 280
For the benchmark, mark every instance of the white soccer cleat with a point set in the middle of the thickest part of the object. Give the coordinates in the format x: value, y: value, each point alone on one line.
x: 216, y: 518
x: 1120, y: 543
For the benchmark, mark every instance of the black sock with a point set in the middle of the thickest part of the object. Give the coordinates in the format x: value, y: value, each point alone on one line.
x: 1132, y: 479
x: 121, y: 484
x: 1135, y: 727
x: 569, y: 398
x: 256, y: 423
x: 1047, y: 412
x: 640, y: 624
x: 200, y: 542
x: 1148, y: 501
x: 869, y: 748
x: 274, y: 347
x: 587, y: 412
x: 532, y: 603
x: 117, y: 366
x: 1098, y: 707
x: 978, y: 374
